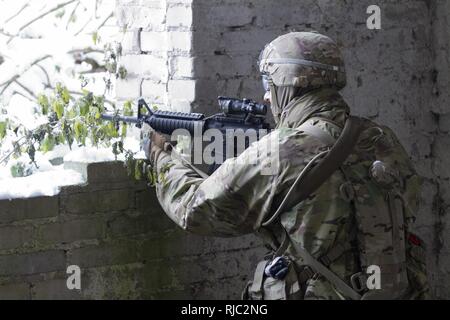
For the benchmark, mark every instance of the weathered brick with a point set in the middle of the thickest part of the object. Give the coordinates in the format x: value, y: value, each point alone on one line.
x: 128, y: 89
x: 154, y: 41
x: 180, y: 41
x: 131, y: 43
x: 182, y: 89
x: 70, y: 231
x: 179, y: 16
x: 98, y: 201
x: 147, y: 66
x: 104, y: 255
x: 55, y: 289
x: 12, y: 237
x: 15, y: 291
x: 107, y: 172
x: 154, y: 91
x: 181, y: 67
x: 31, y: 263
x: 31, y: 208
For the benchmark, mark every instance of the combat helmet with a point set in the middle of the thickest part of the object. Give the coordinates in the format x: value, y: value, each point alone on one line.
x: 303, y: 59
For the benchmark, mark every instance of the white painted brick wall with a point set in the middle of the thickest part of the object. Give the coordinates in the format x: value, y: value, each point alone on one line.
x: 152, y: 41
x: 147, y: 66
x: 179, y: 16
x: 156, y: 45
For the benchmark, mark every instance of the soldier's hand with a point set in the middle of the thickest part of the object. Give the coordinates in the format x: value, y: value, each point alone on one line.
x: 153, y: 143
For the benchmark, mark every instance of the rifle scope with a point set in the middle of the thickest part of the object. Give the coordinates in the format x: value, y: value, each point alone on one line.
x: 244, y: 106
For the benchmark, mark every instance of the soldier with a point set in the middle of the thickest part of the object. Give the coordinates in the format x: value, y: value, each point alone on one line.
x: 342, y: 232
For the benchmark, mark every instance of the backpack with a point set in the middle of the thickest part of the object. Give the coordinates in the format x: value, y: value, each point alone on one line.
x: 383, y: 188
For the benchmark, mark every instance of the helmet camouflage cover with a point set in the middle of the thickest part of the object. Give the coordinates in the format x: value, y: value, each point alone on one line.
x: 303, y: 59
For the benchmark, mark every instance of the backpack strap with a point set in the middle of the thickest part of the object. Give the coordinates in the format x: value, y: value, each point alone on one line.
x: 320, y: 268
x: 316, y: 173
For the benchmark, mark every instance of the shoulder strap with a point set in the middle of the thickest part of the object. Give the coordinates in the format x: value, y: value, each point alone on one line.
x: 315, y: 174
x: 309, y: 260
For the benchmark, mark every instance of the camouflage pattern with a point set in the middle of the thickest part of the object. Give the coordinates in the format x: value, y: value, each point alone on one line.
x: 309, y: 46
x: 236, y: 199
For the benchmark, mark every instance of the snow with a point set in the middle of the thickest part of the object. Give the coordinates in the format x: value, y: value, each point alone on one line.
x: 47, y: 183
x: 90, y: 155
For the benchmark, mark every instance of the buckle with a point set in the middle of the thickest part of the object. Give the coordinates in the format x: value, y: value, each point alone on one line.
x: 325, y: 260
x: 277, y: 268
x: 306, y: 274
x: 358, y: 281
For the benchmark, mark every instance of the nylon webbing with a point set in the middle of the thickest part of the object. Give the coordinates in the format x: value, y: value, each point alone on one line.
x: 312, y: 262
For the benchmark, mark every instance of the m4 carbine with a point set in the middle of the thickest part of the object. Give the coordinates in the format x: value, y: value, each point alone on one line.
x: 235, y: 114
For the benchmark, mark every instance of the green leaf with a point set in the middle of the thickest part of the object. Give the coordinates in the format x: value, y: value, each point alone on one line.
x: 95, y: 37
x: 44, y: 103
x: 84, y: 108
x: 80, y: 132
x: 58, y: 108
x: 18, y: 170
x: 48, y: 143
x: 65, y: 95
x: 3, y: 127
x: 128, y: 108
x: 138, y: 169
x: 60, y: 13
x: 111, y: 130
x: 122, y: 72
x: 123, y: 132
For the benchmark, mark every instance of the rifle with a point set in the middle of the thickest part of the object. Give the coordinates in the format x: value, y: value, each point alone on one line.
x: 235, y: 114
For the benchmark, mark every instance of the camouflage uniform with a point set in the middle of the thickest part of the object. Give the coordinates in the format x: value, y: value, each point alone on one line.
x: 237, y: 199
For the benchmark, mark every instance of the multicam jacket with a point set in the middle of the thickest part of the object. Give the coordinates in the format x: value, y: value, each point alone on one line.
x: 238, y: 198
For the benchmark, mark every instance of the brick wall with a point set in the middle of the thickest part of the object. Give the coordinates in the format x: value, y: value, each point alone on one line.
x: 397, y: 75
x: 126, y: 247
x: 181, y: 54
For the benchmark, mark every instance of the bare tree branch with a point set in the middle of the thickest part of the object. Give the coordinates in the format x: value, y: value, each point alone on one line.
x: 59, y: 6
x: 84, y: 26
x: 106, y: 20
x: 79, y: 93
x: 23, y: 95
x: 72, y: 14
x: 18, y: 12
x: 86, y: 50
x: 28, y: 90
x: 47, y: 77
x: 7, y: 83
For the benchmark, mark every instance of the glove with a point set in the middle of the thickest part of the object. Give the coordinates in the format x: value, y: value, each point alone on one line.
x: 153, y: 143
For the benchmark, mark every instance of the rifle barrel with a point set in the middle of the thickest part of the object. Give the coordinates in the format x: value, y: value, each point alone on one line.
x: 116, y: 118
